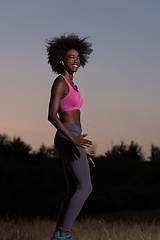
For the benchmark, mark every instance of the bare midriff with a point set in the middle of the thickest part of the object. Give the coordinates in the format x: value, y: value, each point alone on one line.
x: 72, y: 117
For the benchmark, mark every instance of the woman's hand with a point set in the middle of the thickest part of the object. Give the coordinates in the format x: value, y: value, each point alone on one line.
x: 81, y: 141
x: 89, y: 156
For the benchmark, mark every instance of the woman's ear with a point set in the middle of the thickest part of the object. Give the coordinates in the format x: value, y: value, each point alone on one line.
x: 62, y: 63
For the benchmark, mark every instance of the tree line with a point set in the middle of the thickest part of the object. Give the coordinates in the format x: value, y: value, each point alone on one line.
x: 32, y: 182
x: 17, y: 148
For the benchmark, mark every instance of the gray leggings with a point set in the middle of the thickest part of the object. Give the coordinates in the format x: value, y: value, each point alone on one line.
x: 77, y: 176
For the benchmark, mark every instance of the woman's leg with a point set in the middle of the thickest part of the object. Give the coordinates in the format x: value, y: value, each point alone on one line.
x: 80, y: 187
x: 78, y: 180
x: 70, y: 192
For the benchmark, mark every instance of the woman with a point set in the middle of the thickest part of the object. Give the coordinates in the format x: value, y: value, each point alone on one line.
x: 65, y: 55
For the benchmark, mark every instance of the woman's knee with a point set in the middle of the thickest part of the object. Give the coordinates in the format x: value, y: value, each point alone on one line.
x: 87, y: 189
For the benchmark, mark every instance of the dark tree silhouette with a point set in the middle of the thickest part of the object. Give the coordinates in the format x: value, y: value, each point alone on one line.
x: 34, y: 187
x: 15, y: 148
x: 5, y: 147
x: 19, y: 148
x: 46, y: 152
x: 155, y: 154
x: 124, y: 152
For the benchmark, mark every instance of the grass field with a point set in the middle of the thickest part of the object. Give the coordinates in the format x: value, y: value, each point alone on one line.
x: 121, y: 226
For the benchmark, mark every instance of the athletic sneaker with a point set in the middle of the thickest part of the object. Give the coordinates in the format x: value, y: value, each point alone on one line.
x: 57, y: 237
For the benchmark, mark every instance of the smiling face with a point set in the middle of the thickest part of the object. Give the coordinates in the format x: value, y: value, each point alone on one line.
x: 72, y: 61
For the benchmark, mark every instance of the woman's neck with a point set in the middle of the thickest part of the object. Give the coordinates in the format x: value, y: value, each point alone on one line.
x: 68, y: 76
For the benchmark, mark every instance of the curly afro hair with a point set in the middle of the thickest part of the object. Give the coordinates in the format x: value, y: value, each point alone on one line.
x: 59, y: 46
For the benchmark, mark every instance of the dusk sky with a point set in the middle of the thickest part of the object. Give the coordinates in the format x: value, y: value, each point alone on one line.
x: 120, y: 84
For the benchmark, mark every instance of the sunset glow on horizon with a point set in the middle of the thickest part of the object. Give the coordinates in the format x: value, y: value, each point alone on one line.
x: 120, y: 84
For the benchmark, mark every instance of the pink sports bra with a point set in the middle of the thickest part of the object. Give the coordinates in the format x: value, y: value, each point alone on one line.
x: 72, y: 101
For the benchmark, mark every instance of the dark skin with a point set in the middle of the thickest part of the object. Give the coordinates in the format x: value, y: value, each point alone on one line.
x: 60, y: 89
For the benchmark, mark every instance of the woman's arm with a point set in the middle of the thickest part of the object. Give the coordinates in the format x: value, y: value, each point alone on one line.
x: 57, y: 91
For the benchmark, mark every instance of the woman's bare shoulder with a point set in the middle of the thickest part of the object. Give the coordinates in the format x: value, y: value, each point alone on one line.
x: 59, y: 82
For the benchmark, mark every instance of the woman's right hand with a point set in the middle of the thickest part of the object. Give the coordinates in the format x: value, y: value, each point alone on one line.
x: 81, y: 141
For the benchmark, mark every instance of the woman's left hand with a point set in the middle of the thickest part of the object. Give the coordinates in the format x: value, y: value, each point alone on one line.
x: 89, y: 156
